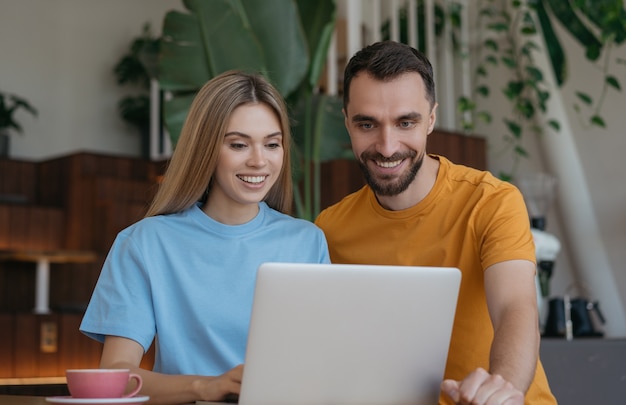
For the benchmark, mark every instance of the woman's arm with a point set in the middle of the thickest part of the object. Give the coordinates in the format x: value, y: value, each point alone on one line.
x: 119, y: 352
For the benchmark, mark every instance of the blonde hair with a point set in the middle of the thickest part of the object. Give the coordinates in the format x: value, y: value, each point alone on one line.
x: 194, y: 160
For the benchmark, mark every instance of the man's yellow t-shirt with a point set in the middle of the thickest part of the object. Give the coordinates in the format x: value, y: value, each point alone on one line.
x: 469, y: 220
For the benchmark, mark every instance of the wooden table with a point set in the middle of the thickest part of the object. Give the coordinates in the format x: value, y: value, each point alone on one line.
x: 22, y: 400
x: 43, y: 258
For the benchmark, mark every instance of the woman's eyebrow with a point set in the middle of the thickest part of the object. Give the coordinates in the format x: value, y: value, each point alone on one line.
x: 241, y: 134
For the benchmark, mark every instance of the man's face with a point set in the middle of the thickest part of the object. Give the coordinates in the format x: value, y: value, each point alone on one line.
x: 388, y: 123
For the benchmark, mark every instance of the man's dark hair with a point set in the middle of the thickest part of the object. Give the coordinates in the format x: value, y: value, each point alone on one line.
x: 387, y: 60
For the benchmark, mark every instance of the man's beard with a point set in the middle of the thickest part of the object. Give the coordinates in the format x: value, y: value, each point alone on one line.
x: 386, y: 186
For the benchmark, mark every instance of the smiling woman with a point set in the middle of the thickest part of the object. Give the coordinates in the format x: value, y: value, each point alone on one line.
x: 221, y: 210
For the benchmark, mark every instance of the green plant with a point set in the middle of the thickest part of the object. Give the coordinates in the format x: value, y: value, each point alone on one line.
x: 9, y: 104
x: 284, y: 39
x: 509, y: 30
x: 135, y: 69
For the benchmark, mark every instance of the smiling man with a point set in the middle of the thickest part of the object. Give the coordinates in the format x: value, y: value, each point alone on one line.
x: 422, y: 209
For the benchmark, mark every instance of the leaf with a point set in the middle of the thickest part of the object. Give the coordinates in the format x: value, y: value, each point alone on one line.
x: 543, y: 96
x: 526, y: 108
x: 593, y: 51
x: 564, y: 11
x: 584, y: 97
x: 484, y: 116
x: 283, y: 45
x: 467, y: 126
x: 520, y: 151
x: 219, y: 35
x: 509, y: 62
x: 491, y: 44
x: 483, y: 91
x: 177, y: 109
x: 534, y: 73
x: 491, y: 60
x: 514, y: 128
x: 465, y: 104
x: 513, y: 89
x: 613, y: 82
x: 498, y: 27
x: 318, y: 21
x: 598, y: 121
x: 505, y: 176
x: 554, y: 125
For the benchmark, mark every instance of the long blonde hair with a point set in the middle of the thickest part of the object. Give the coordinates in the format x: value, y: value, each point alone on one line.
x: 194, y: 160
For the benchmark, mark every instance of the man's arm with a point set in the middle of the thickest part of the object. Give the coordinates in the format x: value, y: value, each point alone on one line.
x: 512, y: 302
x: 511, y: 299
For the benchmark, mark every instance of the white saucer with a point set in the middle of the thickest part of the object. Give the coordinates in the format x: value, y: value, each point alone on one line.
x: 101, y: 401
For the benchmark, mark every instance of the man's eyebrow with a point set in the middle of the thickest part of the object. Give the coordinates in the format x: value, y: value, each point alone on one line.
x: 411, y: 116
x: 362, y: 117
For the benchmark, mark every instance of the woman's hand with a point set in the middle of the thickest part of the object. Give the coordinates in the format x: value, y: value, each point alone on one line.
x: 221, y: 387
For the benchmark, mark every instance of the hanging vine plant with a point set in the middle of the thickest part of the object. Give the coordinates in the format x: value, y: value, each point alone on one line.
x: 509, y: 30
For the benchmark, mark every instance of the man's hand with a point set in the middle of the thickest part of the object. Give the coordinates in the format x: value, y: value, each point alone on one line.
x: 482, y: 388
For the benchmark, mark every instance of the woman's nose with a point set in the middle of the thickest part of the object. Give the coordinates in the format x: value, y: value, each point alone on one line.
x: 257, y: 157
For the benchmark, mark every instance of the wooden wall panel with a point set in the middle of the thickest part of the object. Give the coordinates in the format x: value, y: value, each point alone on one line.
x: 17, y: 286
x: 461, y: 149
x: 55, y: 180
x: 6, y: 345
x: 339, y: 178
x: 26, y: 346
x: 18, y: 181
x: 30, y: 227
x: 75, y: 349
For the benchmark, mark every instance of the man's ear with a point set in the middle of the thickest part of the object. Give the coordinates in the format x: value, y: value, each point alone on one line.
x: 345, y: 117
x: 432, y: 118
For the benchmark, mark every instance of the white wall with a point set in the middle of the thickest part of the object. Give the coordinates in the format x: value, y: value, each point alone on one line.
x: 60, y: 55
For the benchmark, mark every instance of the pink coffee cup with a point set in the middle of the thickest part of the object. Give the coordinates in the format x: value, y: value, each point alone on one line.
x: 101, y: 383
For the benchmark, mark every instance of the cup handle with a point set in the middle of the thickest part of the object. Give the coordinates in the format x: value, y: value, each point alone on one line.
x: 137, y: 378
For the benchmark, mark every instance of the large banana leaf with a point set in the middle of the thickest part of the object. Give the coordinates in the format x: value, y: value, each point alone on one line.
x: 318, y: 22
x: 320, y: 136
x: 553, y: 45
x: 219, y: 35
x: 567, y: 14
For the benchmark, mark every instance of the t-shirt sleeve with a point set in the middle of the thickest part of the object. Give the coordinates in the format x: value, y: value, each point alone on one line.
x: 121, y: 304
x: 504, y: 228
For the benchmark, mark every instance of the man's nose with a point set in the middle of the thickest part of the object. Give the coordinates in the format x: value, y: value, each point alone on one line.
x: 386, y: 144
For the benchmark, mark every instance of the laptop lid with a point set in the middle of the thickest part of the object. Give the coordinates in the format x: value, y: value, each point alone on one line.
x: 348, y: 334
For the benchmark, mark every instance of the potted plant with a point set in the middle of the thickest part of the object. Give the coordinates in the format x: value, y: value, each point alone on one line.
x: 135, y: 69
x: 9, y: 104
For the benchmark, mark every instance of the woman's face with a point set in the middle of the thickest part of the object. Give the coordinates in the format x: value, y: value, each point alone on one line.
x: 250, y: 161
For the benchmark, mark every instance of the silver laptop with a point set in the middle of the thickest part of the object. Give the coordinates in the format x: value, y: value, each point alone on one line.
x: 348, y: 334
